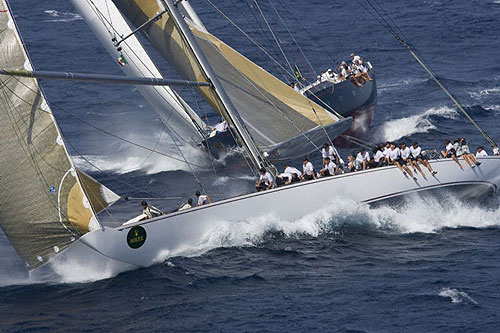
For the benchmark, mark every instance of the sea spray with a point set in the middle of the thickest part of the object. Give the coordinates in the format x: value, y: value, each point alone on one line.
x: 393, y: 130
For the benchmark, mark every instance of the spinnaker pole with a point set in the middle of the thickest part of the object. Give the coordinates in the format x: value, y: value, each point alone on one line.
x: 102, y: 78
x: 229, y: 111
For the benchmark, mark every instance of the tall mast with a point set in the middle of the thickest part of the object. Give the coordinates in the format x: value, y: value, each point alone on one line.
x: 228, y: 111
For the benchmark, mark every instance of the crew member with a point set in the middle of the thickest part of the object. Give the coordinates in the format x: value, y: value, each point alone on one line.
x: 187, y: 205
x: 481, y: 152
x: 150, y: 211
x: 202, y: 199
x: 265, y: 181
x: 363, y: 157
x: 450, y: 152
x: 418, y: 156
x: 329, y: 168
x: 308, y: 172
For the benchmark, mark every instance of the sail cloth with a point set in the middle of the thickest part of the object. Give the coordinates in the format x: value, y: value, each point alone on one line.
x: 106, y: 22
x: 272, y: 111
x: 43, y: 208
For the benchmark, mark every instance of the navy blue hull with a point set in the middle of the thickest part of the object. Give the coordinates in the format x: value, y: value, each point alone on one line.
x: 349, y: 101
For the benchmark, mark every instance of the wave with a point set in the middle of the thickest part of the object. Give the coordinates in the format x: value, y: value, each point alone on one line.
x: 393, y: 130
x: 456, y: 296
x: 62, y: 16
x: 418, y: 214
x: 397, y: 84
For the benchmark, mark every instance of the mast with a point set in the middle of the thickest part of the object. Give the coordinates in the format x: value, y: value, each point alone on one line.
x: 229, y: 111
x: 192, y: 15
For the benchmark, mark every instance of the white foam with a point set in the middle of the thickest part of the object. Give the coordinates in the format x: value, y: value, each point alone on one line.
x: 456, y: 295
x: 134, y: 160
x: 421, y: 214
x: 394, y: 130
x: 62, y: 16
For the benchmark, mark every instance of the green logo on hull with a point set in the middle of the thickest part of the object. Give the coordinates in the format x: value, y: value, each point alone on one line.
x: 136, y: 237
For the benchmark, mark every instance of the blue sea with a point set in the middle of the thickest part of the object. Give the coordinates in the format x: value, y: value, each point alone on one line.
x: 424, y: 266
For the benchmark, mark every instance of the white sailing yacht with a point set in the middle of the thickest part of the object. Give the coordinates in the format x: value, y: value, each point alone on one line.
x: 49, y: 208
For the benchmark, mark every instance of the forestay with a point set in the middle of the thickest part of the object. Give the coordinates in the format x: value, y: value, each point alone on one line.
x: 43, y: 206
x: 272, y: 111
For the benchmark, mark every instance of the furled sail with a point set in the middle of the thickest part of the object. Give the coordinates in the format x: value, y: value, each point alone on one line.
x: 271, y: 110
x: 43, y: 207
x: 107, y: 23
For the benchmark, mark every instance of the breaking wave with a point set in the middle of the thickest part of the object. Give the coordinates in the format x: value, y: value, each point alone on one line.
x: 418, y: 214
x: 457, y: 296
x: 394, y: 130
x: 62, y: 16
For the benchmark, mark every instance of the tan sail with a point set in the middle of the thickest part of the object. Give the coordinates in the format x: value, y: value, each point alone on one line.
x: 43, y: 206
x: 272, y: 111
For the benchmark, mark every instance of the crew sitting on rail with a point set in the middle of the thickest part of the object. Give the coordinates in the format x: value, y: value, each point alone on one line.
x: 363, y: 157
x: 150, y: 211
x: 187, y: 205
x: 395, y: 158
x: 353, y: 164
x: 481, y: 152
x: 308, y: 172
x: 265, y: 181
x: 496, y: 151
x: 450, y: 152
x: 329, y: 168
x: 221, y: 127
x: 462, y: 149
x: 378, y: 157
x: 203, y: 199
x: 296, y: 174
x: 417, y: 155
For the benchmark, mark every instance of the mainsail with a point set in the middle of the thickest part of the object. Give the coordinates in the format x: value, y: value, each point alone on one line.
x: 43, y: 207
x: 272, y: 111
x: 107, y: 23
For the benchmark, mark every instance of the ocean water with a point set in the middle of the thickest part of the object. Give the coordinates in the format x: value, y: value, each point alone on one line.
x: 422, y: 266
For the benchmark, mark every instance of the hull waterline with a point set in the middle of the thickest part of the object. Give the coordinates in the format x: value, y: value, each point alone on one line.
x: 178, y: 233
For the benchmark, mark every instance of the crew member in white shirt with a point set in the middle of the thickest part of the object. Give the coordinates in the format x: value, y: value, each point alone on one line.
x: 481, y: 152
x: 386, y: 151
x: 363, y: 157
x: 202, y: 199
x: 395, y: 158
x: 329, y: 168
x: 187, y: 205
x: 219, y: 128
x: 296, y: 174
x: 450, y: 152
x: 355, y: 58
x: 417, y: 156
x: 308, y: 172
x: 496, y: 151
x: 407, y: 157
x: 378, y: 157
x: 265, y: 181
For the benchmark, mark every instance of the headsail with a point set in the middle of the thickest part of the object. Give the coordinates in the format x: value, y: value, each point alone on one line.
x: 43, y: 208
x: 107, y: 23
x: 272, y: 111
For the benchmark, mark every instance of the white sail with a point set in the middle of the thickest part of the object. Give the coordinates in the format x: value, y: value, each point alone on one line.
x: 107, y: 23
x: 46, y: 204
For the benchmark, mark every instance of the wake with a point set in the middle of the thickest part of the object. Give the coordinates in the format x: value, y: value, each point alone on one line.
x: 417, y: 214
x: 396, y: 129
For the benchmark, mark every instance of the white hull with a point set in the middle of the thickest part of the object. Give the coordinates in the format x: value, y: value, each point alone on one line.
x: 173, y: 234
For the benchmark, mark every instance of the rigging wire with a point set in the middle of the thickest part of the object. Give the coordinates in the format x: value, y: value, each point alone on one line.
x: 420, y: 60
x: 274, y: 36
x: 294, y: 40
x: 113, y: 32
